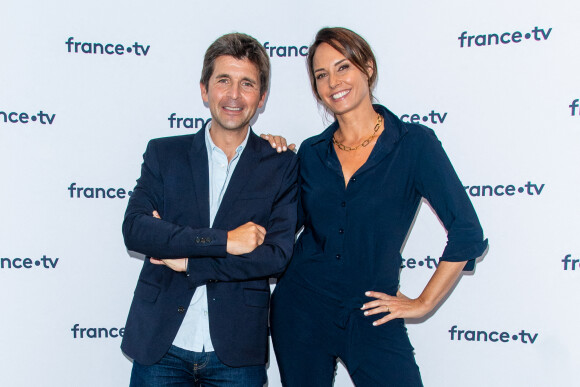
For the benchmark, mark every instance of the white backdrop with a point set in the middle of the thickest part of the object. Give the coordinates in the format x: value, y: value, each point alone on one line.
x: 505, y: 113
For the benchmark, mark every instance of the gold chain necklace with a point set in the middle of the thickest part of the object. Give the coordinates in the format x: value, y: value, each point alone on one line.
x: 366, y: 142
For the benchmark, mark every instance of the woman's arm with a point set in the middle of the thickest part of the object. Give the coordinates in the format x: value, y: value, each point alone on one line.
x: 401, y: 306
x: 437, y: 181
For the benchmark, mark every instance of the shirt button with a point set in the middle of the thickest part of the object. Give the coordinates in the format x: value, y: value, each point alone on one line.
x: 180, y: 309
x: 341, y: 231
x: 343, y: 204
x: 338, y: 256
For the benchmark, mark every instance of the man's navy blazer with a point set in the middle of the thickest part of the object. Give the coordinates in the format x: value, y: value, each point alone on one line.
x: 175, y: 182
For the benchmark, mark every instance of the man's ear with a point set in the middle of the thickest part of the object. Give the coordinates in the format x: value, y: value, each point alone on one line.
x: 262, y: 100
x: 203, y: 92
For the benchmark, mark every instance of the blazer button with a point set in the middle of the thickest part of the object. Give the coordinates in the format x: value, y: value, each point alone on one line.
x: 197, y: 240
x: 181, y: 309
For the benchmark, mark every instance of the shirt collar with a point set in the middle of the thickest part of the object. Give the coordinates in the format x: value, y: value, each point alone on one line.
x: 211, y: 146
x: 394, y: 129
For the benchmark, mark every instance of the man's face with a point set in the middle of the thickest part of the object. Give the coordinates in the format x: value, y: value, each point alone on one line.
x: 233, y: 93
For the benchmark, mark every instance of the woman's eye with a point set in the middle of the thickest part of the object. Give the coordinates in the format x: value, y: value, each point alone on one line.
x: 320, y: 76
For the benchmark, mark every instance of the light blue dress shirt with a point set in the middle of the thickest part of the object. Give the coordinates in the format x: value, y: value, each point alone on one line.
x: 193, y: 335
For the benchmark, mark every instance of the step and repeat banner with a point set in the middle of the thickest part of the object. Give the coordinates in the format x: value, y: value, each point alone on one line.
x: 85, y: 85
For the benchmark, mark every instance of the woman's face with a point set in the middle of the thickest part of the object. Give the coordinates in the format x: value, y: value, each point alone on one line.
x: 342, y: 87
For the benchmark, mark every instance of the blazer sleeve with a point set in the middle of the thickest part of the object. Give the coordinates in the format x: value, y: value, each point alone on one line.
x: 157, y: 238
x: 267, y: 260
x: 437, y: 182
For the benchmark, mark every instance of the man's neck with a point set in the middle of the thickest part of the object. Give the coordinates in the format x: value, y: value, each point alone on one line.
x: 228, y: 140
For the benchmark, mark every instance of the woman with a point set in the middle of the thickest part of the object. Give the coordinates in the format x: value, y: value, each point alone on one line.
x: 361, y: 182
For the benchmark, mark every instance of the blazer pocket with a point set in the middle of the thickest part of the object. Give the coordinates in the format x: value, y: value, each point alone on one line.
x: 257, y: 298
x: 146, y: 292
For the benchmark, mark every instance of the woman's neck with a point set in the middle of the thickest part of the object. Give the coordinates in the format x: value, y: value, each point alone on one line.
x: 356, y: 125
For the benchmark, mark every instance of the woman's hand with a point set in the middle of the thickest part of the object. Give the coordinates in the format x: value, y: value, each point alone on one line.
x: 399, y: 306
x: 278, y: 142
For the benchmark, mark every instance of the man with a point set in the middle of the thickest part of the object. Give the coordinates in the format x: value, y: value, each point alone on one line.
x: 225, y: 200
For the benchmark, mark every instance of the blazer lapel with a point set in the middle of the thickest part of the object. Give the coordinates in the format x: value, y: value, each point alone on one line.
x: 200, y: 174
x: 249, y: 161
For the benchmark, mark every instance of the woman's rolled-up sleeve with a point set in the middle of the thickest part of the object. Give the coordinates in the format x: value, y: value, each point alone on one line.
x: 437, y: 182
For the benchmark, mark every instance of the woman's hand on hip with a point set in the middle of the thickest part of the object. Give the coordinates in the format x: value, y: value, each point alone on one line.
x: 399, y: 306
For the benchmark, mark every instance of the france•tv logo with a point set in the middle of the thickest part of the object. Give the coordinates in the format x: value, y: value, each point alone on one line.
x: 570, y: 263
x: 27, y: 263
x: 574, y: 107
x: 96, y: 332
x: 77, y: 192
x: 25, y: 118
x: 538, y: 34
x: 105, y: 48
x: 285, y: 51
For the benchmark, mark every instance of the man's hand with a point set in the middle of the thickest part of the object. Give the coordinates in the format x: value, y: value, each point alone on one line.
x: 179, y: 264
x: 245, y: 238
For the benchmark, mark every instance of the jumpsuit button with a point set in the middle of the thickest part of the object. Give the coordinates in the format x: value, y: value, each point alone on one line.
x: 180, y: 309
x: 343, y: 204
x: 337, y: 256
x: 341, y: 231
